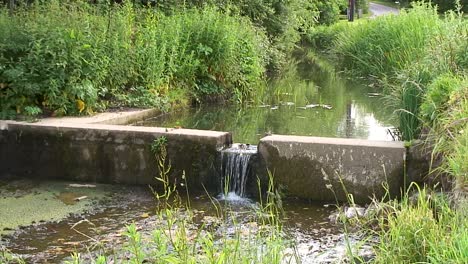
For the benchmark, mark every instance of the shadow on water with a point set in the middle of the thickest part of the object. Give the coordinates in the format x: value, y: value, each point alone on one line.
x: 310, y: 99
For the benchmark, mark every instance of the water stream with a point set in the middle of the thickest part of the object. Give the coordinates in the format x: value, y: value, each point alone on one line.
x: 235, y: 170
x: 102, y: 225
x: 311, y: 99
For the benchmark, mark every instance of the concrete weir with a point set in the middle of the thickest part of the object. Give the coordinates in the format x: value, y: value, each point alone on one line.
x: 100, y: 149
x: 106, y: 153
x: 327, y: 168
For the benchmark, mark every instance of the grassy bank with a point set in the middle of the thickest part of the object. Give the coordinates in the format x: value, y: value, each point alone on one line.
x: 77, y: 58
x: 419, y: 60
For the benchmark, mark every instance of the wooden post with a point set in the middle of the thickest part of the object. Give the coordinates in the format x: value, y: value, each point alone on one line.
x: 351, y: 7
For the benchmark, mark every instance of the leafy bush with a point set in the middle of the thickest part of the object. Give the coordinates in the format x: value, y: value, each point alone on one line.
x: 51, y: 57
x: 322, y: 37
x: 74, y: 58
x: 213, y: 54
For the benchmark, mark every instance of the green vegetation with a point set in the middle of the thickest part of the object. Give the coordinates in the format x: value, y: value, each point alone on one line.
x: 442, y: 5
x: 421, y: 227
x: 181, y: 238
x: 419, y: 59
x: 77, y: 58
x: 25, y: 202
x: 69, y: 58
x: 388, y: 44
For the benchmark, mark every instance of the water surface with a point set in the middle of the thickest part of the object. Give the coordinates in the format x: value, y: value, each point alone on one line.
x: 311, y: 99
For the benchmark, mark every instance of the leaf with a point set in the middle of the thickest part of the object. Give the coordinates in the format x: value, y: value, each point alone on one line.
x: 80, y: 105
x: 144, y: 215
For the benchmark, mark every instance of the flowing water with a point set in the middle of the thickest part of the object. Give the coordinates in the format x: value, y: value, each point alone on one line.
x: 311, y: 99
x: 235, y: 170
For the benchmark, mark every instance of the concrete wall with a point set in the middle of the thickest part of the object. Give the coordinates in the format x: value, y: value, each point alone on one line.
x: 81, y: 149
x: 315, y: 168
x: 106, y: 153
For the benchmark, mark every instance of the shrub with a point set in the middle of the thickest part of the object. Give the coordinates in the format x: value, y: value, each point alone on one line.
x: 51, y: 57
x: 322, y: 37
x: 72, y: 58
x: 209, y: 53
x: 437, y: 96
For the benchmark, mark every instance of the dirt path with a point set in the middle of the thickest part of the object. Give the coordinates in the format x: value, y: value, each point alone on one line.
x: 380, y: 10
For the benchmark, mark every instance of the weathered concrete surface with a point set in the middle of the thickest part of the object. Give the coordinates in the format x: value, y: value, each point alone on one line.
x: 110, y: 118
x: 318, y: 168
x: 106, y: 153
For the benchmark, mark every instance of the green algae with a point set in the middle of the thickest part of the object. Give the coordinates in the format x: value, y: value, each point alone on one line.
x: 24, y: 202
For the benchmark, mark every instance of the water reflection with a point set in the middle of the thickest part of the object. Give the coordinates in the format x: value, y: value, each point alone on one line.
x: 309, y: 100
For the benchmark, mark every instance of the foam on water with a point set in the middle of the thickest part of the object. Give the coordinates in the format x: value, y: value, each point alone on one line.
x: 233, y: 198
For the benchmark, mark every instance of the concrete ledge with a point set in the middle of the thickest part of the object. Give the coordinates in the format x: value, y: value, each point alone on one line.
x: 111, y: 118
x: 106, y: 153
x: 318, y: 168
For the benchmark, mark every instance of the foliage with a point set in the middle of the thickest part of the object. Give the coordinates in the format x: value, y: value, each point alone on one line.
x: 421, y: 228
x: 74, y: 58
x: 330, y: 10
x: 436, y: 101
x: 322, y: 37
x: 7, y: 257
x: 407, y: 54
x: 48, y: 60
x: 388, y: 44
x: 364, y: 5
x: 283, y: 21
x: 442, y: 5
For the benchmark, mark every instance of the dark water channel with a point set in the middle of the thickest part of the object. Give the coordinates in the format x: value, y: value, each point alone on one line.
x: 311, y: 99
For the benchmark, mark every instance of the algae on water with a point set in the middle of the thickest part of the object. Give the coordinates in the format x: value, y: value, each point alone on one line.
x: 23, y: 202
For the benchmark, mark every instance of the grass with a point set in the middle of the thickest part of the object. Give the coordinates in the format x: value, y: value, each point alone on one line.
x: 420, y: 228
x: 419, y: 58
x: 76, y: 58
x: 385, y: 45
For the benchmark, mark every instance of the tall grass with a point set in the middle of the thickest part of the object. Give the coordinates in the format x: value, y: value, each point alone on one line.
x: 420, y: 59
x: 421, y: 228
x: 385, y: 45
x: 72, y: 58
x: 406, y: 53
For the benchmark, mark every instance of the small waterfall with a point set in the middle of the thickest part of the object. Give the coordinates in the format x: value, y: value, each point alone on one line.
x: 235, y: 169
